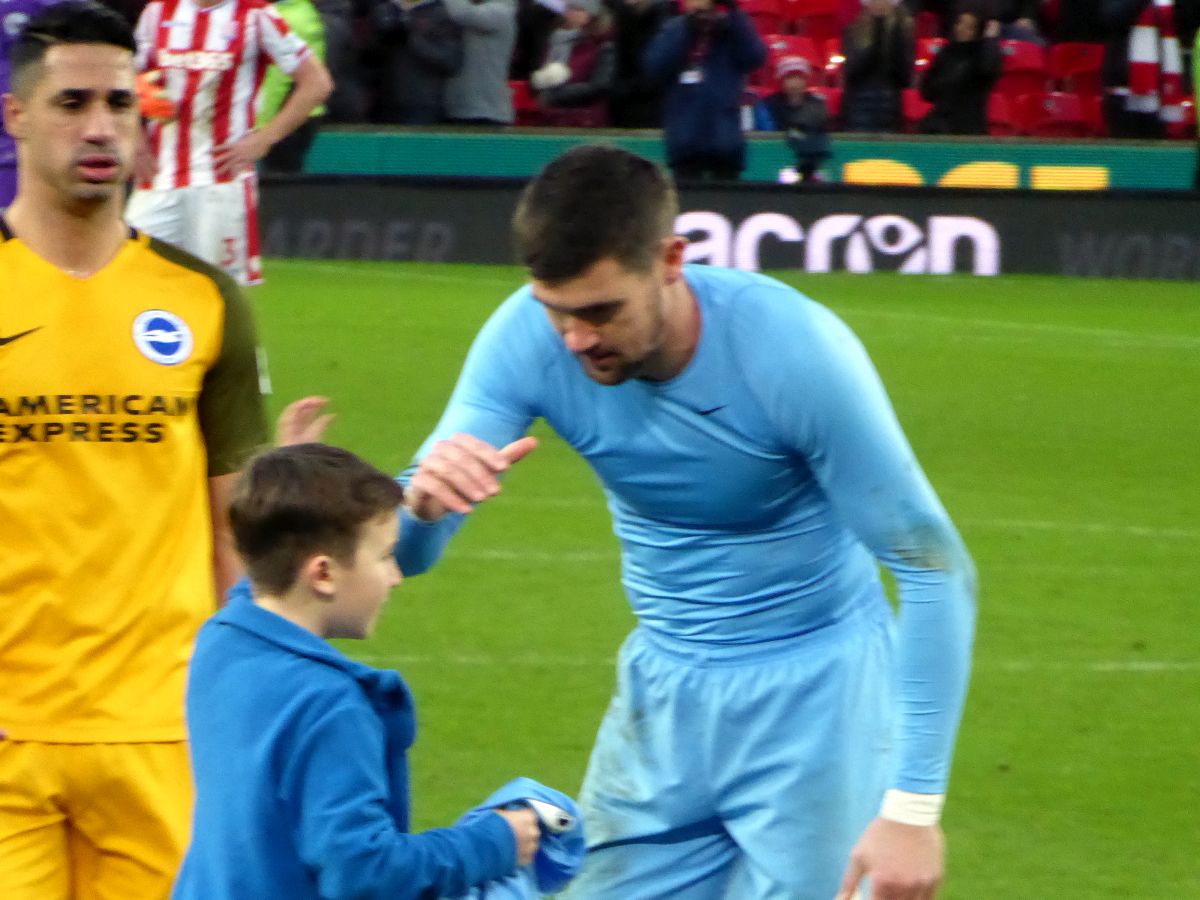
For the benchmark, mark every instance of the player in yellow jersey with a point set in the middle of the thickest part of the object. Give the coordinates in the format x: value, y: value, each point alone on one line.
x: 129, y: 398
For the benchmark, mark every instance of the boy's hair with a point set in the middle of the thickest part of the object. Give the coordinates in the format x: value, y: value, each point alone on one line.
x: 294, y: 502
x: 69, y: 22
x: 592, y: 203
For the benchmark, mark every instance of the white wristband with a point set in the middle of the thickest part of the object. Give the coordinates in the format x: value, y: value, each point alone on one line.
x: 911, y: 809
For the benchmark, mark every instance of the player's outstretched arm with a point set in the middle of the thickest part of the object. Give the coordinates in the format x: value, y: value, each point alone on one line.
x: 904, y: 862
x: 459, y: 472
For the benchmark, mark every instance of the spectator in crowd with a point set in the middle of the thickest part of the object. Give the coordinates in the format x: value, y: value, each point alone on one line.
x: 574, y: 82
x: 801, y: 114
x: 961, y: 77
x: 1018, y: 20
x: 197, y: 184
x: 1196, y: 94
x: 636, y: 100
x: 535, y: 20
x: 879, y: 49
x: 422, y: 51
x: 289, y: 153
x: 479, y: 93
x: 702, y: 58
x: 1142, y: 69
x: 348, y: 102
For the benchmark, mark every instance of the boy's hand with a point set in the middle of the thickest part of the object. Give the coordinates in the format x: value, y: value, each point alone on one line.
x: 527, y: 831
x: 302, y: 422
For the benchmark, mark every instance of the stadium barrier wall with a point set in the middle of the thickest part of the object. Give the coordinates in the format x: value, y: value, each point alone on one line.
x: 995, y: 162
x: 820, y: 228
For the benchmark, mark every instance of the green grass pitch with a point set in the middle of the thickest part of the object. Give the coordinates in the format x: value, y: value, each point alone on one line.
x: 1059, y: 421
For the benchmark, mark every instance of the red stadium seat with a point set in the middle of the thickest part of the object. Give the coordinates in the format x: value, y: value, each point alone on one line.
x: 913, y: 108
x: 1055, y: 115
x: 817, y: 19
x: 1093, y: 110
x: 766, y: 15
x: 927, y: 48
x: 1075, y: 67
x: 928, y: 24
x: 833, y: 101
x: 1186, y: 128
x: 1024, y: 69
x: 1001, y: 117
x: 835, y: 62
x: 525, y: 105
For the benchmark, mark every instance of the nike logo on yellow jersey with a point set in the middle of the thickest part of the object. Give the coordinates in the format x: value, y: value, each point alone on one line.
x: 17, y: 337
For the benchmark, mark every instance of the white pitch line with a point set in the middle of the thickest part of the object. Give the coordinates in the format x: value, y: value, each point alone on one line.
x: 403, y: 275
x: 467, y: 660
x: 1147, y: 531
x: 1117, y: 336
x: 1113, y: 335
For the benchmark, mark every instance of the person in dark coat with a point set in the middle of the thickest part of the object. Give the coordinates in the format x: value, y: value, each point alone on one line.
x: 636, y: 98
x: 575, y: 80
x: 423, y: 48
x: 879, y: 48
x: 801, y: 114
x: 961, y: 77
x: 702, y: 58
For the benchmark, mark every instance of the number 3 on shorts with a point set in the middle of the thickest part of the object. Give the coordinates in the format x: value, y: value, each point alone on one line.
x: 229, y: 252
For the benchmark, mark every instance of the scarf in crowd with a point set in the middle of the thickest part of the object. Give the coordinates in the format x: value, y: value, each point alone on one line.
x: 1155, y: 63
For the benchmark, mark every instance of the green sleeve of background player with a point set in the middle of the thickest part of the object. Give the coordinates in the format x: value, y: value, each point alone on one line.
x: 302, y: 17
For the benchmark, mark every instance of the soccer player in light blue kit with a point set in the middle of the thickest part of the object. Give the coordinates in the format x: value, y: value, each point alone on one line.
x: 776, y: 732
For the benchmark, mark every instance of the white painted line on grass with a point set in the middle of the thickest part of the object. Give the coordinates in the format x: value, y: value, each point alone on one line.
x: 468, y: 660
x: 1111, y: 335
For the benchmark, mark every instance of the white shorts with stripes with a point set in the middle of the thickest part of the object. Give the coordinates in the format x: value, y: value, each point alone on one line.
x: 216, y: 222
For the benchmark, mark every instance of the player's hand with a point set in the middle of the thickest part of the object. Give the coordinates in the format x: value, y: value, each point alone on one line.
x: 525, y: 828
x: 242, y: 154
x: 303, y: 422
x: 904, y: 862
x: 460, y: 472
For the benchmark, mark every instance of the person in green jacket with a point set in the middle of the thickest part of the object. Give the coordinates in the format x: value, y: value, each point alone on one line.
x: 288, y: 155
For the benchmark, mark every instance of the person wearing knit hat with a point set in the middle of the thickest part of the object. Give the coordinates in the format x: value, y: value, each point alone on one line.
x: 802, y: 115
x: 575, y: 78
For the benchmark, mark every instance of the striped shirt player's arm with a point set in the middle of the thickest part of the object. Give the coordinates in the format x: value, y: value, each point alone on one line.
x: 146, y: 35
x: 233, y: 419
x: 829, y: 396
x: 492, y: 401
x: 284, y: 47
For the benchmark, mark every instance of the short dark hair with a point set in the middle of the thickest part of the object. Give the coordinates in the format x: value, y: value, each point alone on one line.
x: 294, y: 502
x: 591, y: 203
x: 69, y: 22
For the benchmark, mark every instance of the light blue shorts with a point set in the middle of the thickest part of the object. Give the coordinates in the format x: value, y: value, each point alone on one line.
x: 743, y: 773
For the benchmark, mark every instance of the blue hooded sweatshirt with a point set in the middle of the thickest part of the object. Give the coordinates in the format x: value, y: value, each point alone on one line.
x: 299, y: 758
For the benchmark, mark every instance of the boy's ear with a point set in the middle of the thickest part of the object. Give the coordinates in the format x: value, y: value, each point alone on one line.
x: 317, y: 573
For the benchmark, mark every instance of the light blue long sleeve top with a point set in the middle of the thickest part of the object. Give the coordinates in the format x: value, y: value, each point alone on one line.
x: 752, y: 494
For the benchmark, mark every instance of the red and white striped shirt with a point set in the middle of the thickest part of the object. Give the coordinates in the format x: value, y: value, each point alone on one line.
x: 213, y: 60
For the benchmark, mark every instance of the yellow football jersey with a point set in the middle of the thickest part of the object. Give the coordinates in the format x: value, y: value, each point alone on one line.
x: 120, y: 394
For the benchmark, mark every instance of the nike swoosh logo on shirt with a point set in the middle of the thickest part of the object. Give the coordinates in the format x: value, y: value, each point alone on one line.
x: 17, y: 337
x: 709, y: 412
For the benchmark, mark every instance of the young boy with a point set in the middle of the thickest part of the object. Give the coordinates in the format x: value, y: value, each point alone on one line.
x: 299, y: 752
x: 803, y: 115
